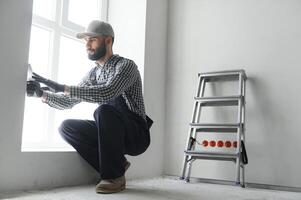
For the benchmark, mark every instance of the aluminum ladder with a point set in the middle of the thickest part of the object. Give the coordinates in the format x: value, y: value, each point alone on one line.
x: 238, y: 128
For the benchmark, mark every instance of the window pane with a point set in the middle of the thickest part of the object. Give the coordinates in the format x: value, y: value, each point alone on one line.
x: 39, y: 49
x: 81, y: 12
x: 73, y: 66
x: 44, y: 8
x: 73, y: 61
x: 35, y: 120
x: 35, y: 115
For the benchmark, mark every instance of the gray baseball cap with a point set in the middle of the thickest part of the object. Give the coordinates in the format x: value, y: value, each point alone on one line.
x: 97, y: 28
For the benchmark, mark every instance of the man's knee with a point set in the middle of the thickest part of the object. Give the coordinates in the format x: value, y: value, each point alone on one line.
x: 65, y: 127
x: 103, y: 111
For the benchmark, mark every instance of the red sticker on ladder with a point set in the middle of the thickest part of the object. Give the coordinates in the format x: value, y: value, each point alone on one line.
x: 212, y: 143
x: 228, y: 144
x: 235, y: 144
x: 220, y: 143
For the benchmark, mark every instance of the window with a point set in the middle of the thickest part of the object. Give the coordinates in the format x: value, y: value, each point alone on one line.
x: 54, y: 52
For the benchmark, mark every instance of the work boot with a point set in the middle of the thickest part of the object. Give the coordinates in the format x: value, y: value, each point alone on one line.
x: 105, y: 186
x: 108, y: 186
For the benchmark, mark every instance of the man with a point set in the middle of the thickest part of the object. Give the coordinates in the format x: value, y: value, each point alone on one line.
x: 120, y: 126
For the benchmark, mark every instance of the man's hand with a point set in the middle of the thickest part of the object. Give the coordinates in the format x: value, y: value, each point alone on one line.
x: 54, y: 86
x: 33, y: 89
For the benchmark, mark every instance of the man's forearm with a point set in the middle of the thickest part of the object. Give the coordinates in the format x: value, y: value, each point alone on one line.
x: 59, y: 101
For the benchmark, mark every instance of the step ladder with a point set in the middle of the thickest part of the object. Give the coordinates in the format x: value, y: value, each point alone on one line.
x: 238, y: 128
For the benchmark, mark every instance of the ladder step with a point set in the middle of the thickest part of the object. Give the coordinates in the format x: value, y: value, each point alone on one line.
x: 219, y: 101
x: 211, y: 155
x: 223, y: 127
x: 230, y: 75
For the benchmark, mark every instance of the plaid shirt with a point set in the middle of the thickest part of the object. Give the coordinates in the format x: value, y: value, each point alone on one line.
x: 118, y: 76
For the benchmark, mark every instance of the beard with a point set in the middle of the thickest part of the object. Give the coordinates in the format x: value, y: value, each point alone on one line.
x: 98, y: 53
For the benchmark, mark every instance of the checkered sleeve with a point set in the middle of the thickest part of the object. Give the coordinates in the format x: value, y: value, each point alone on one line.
x: 126, y: 73
x: 62, y: 101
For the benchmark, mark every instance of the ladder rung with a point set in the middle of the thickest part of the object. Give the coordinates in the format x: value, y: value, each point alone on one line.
x: 219, y: 101
x: 211, y: 155
x: 223, y: 127
x: 223, y: 75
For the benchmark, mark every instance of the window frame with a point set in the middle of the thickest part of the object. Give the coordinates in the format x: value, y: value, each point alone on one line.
x: 59, y: 26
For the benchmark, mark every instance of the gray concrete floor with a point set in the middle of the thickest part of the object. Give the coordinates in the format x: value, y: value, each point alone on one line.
x: 158, y: 189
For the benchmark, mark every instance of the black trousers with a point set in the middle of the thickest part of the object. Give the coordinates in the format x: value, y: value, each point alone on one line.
x: 103, y: 143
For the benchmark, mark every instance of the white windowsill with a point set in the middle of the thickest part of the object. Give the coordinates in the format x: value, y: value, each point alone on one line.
x: 33, y: 148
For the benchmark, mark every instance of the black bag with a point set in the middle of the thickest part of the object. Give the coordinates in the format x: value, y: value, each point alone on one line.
x: 149, y: 122
x: 244, y: 156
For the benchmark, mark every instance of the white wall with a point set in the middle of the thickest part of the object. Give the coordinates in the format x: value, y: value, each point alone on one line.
x: 129, y: 28
x: 141, y: 36
x: 22, y: 171
x: 263, y: 37
x: 154, y: 77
